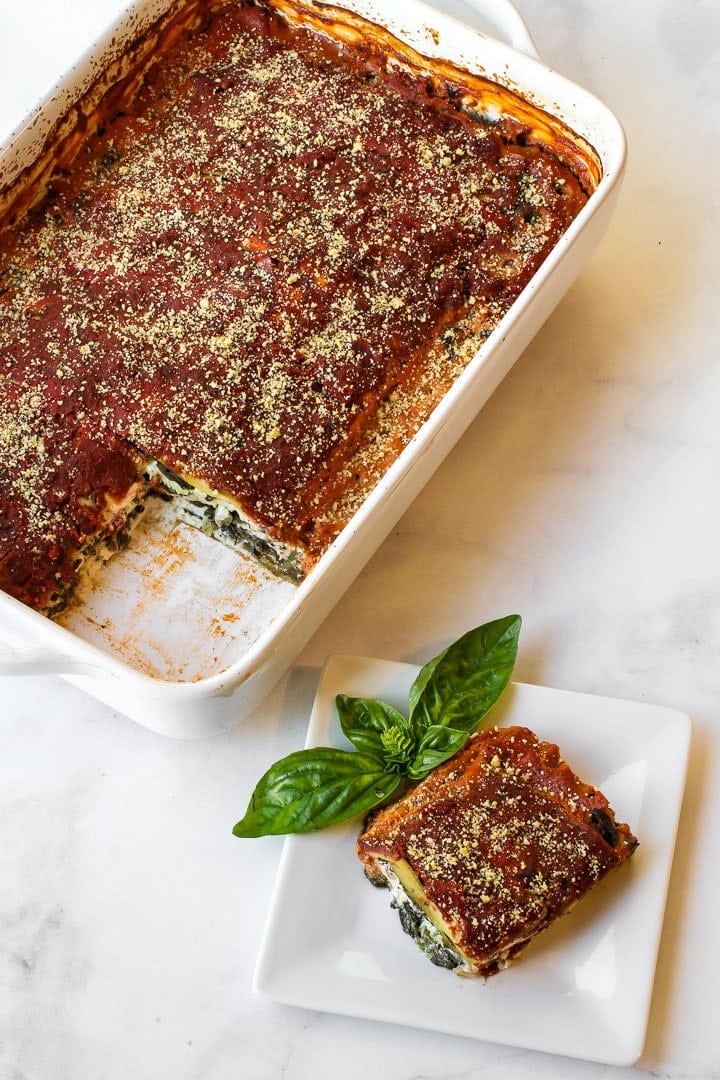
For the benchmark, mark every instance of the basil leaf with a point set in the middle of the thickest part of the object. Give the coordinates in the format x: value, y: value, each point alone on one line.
x: 452, y: 694
x: 313, y: 789
x: 436, y: 746
x: 459, y: 687
x: 376, y: 728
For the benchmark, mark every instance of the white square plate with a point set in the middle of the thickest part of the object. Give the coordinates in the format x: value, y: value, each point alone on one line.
x: 583, y: 987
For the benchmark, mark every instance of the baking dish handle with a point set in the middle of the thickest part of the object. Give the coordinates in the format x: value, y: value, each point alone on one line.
x: 39, y: 660
x: 504, y: 15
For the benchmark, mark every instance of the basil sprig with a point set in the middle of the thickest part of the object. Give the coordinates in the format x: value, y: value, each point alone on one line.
x: 449, y: 699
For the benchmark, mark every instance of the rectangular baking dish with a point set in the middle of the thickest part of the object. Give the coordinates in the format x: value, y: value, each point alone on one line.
x: 129, y: 641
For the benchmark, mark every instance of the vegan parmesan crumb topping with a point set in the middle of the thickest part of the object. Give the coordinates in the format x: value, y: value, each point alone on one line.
x: 501, y: 841
x: 263, y: 272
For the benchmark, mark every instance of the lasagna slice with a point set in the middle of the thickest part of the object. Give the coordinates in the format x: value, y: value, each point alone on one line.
x: 491, y: 848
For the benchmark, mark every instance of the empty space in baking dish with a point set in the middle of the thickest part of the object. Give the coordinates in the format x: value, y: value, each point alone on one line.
x: 175, y: 604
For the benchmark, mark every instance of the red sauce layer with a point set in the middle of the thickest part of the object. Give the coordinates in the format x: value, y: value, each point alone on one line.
x: 263, y: 273
x: 503, y: 839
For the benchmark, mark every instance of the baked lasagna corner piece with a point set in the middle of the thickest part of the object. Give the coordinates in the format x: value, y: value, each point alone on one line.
x: 491, y: 848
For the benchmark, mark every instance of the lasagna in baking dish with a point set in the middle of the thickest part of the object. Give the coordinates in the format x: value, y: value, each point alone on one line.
x: 491, y: 848
x: 246, y: 271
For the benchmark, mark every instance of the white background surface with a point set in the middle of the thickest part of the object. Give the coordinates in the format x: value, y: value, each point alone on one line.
x: 586, y: 496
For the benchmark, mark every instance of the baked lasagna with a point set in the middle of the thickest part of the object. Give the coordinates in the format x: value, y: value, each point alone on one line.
x: 491, y: 848
x: 250, y: 263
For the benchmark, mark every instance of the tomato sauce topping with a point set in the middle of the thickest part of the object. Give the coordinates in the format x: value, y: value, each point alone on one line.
x: 263, y: 273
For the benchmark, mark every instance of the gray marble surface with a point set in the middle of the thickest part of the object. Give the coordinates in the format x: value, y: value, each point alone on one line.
x: 586, y: 496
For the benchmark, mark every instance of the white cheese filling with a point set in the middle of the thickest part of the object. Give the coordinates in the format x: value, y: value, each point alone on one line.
x: 216, y: 516
x: 418, y: 924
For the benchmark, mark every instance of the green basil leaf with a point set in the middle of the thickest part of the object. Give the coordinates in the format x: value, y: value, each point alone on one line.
x: 375, y: 728
x: 452, y: 694
x: 436, y: 746
x: 459, y: 687
x: 313, y: 789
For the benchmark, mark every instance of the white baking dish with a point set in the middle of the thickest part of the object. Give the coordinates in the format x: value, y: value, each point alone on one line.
x: 129, y: 641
